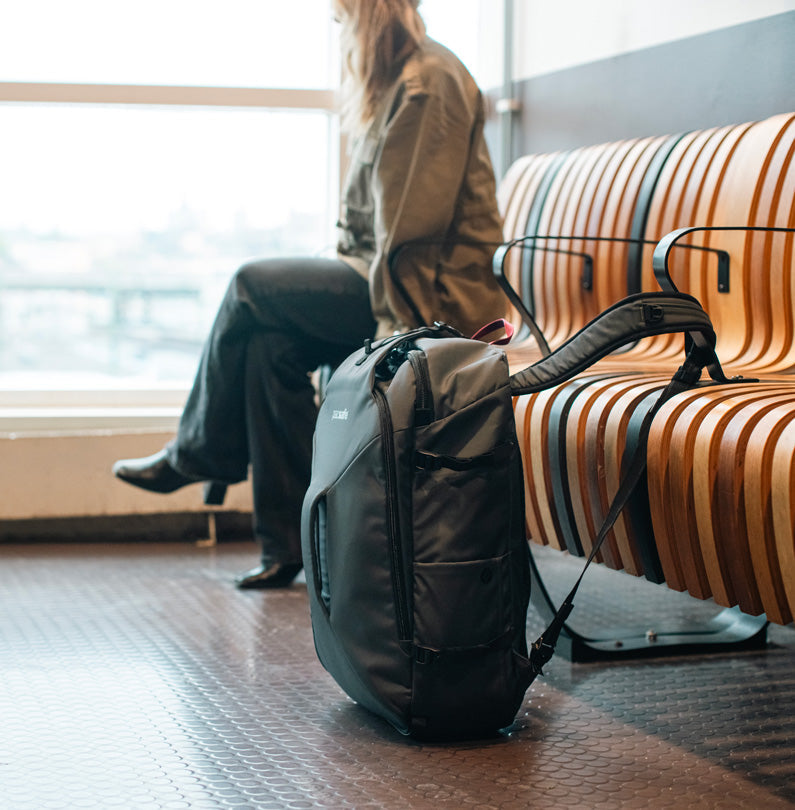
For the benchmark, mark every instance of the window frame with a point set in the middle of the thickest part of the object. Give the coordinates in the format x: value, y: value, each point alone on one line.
x: 169, y: 95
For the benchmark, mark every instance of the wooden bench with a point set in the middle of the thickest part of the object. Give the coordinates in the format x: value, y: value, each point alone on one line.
x: 717, y: 518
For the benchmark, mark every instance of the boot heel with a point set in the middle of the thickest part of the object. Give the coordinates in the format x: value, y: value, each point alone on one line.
x: 214, y: 493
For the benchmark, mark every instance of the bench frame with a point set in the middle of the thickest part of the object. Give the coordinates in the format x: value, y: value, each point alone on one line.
x: 730, y: 630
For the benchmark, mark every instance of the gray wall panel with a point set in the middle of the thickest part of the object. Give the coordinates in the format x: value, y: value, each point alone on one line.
x: 737, y: 74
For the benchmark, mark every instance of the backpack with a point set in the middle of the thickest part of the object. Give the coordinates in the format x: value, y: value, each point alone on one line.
x: 413, y: 529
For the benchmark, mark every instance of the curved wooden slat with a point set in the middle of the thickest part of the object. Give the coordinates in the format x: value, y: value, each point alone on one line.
x: 666, y: 522
x: 745, y: 179
x: 720, y: 446
x: 782, y: 495
x: 715, y: 409
x: 594, y: 195
x: 772, y: 440
x: 589, y: 434
x: 607, y: 209
x: 586, y: 440
x: 639, y: 399
x: 544, y: 262
x: 506, y: 188
x: 522, y: 406
x: 552, y: 277
x: 536, y: 431
x: 744, y: 198
x: 570, y: 299
x: 518, y: 194
x: 621, y: 213
x: 769, y: 258
x: 699, y: 573
x: 684, y: 199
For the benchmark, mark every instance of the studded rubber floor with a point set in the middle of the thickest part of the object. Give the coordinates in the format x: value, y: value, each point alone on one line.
x: 136, y: 676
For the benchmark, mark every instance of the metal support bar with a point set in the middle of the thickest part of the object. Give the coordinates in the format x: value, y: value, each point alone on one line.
x: 507, y: 106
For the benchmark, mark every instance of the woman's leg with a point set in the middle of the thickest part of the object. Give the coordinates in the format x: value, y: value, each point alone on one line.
x: 252, y: 400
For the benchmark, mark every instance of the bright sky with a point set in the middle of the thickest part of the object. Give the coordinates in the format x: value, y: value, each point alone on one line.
x: 279, y: 43
x: 236, y: 42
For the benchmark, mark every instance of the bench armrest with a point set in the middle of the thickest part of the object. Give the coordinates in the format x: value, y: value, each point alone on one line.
x: 661, y: 253
x: 588, y: 263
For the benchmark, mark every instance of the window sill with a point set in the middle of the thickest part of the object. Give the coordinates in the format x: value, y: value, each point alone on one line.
x: 33, y: 420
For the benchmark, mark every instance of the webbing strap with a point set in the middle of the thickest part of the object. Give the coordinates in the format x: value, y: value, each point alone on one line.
x: 686, y: 376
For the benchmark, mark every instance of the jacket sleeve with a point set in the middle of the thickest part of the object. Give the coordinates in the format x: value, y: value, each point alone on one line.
x: 417, y: 177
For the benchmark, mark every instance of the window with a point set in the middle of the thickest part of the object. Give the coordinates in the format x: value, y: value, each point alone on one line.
x: 148, y: 150
x: 125, y: 223
x: 122, y: 220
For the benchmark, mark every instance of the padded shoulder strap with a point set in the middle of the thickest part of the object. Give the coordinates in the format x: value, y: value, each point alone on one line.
x: 632, y: 318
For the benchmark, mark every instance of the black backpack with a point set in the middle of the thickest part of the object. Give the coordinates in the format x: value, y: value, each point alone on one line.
x: 413, y: 526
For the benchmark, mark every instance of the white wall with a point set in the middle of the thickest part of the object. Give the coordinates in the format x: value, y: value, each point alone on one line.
x: 473, y: 30
x: 68, y: 474
x: 57, y: 450
x: 552, y: 35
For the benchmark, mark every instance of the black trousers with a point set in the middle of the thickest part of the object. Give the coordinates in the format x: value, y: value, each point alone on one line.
x: 252, y: 401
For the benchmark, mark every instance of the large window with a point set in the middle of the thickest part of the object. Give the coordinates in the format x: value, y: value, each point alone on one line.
x: 125, y: 223
x: 146, y: 151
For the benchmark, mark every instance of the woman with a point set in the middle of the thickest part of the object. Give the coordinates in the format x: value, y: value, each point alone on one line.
x: 420, y: 190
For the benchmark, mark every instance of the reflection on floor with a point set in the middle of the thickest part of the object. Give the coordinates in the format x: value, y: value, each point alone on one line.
x: 136, y: 676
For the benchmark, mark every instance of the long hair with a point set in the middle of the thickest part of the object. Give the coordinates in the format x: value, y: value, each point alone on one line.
x: 376, y: 39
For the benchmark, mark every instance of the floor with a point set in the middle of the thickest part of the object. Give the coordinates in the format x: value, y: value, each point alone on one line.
x: 136, y: 676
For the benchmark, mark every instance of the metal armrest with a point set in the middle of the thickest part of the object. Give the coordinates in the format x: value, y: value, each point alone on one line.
x: 659, y: 260
x: 663, y: 276
x: 588, y: 263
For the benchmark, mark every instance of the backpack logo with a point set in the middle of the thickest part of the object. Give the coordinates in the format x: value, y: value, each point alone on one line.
x: 342, y: 416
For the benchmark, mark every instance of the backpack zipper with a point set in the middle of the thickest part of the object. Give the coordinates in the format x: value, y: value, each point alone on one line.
x: 393, y: 521
x: 423, y: 402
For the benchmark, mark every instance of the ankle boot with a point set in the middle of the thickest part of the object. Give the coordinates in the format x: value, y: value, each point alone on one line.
x: 155, y: 474
x: 275, y: 575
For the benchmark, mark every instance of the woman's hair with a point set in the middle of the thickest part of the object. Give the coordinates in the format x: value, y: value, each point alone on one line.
x: 377, y: 38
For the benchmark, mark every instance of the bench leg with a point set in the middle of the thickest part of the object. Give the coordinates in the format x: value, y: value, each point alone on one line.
x: 730, y: 630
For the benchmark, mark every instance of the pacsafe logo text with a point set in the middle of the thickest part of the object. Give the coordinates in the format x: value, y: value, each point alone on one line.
x: 341, y: 415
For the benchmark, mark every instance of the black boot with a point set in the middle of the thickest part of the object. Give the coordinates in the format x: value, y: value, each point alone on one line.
x: 275, y: 575
x: 155, y: 474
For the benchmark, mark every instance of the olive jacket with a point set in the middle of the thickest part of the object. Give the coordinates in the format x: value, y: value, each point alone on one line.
x: 420, y: 195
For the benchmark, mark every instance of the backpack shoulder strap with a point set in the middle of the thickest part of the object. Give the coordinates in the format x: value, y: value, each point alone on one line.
x: 632, y: 318
x: 686, y: 376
